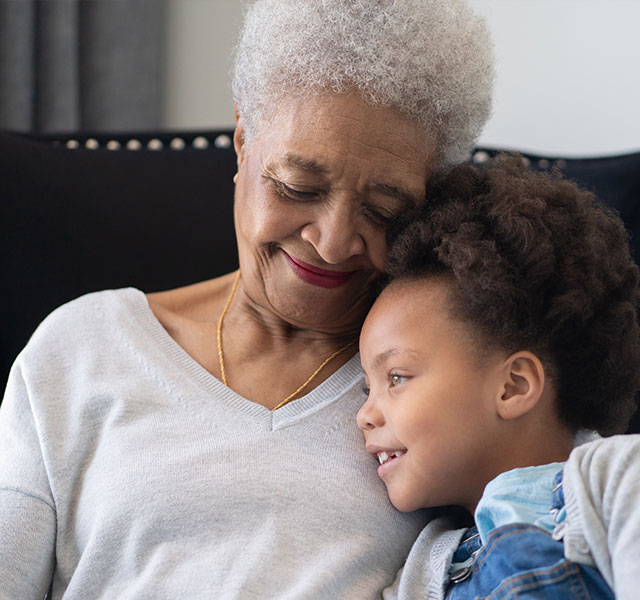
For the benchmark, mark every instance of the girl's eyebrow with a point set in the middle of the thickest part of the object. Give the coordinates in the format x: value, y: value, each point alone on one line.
x: 383, y: 357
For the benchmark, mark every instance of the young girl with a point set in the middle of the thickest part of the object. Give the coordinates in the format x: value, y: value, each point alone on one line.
x: 507, y: 326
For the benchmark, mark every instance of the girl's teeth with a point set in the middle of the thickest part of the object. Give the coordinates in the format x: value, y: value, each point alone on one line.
x: 383, y: 457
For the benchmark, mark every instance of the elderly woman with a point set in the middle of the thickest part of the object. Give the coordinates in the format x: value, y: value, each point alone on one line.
x: 202, y: 442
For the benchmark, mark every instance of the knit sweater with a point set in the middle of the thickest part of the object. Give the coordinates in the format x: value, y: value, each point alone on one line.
x: 602, y: 495
x: 129, y: 471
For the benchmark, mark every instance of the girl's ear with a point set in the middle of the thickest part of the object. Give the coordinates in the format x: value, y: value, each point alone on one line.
x: 523, y: 385
x: 238, y: 136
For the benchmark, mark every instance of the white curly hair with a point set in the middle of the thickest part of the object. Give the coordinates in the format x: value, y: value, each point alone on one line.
x: 430, y: 59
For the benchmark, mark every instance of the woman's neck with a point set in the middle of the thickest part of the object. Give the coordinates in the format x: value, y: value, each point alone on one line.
x: 266, y: 356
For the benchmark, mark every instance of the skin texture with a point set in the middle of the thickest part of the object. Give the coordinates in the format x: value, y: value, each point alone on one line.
x: 317, y: 184
x: 459, y: 420
x: 310, y: 187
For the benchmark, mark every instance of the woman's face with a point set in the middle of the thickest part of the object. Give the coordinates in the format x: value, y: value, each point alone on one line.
x: 315, y: 191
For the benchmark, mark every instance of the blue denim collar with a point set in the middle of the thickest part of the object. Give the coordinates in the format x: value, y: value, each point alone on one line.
x: 518, y: 496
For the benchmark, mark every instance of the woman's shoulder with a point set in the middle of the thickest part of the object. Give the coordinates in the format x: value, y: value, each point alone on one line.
x: 599, y: 453
x: 88, y: 316
x: 196, y: 301
x: 89, y: 304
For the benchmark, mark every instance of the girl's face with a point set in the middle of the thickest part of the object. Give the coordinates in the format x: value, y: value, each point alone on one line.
x: 315, y: 191
x: 430, y: 415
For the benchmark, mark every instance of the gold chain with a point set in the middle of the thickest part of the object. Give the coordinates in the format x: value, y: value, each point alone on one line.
x: 290, y: 397
x: 219, y: 330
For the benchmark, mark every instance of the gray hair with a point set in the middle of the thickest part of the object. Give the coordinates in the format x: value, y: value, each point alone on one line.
x: 430, y: 59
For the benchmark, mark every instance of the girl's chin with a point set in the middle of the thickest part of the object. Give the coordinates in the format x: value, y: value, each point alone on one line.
x: 403, y: 505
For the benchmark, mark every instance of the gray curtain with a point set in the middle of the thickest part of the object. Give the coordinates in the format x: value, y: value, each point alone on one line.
x: 68, y: 65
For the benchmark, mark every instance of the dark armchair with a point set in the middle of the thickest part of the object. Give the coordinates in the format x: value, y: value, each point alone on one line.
x: 92, y: 212
x: 77, y: 219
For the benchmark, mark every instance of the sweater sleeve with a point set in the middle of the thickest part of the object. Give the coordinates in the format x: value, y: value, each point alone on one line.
x: 426, y: 571
x: 27, y: 514
x: 602, y: 486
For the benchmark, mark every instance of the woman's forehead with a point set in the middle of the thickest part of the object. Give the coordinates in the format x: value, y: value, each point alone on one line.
x: 324, y: 135
x: 331, y: 113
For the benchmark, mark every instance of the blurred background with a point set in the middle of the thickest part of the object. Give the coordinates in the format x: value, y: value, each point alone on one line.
x: 568, y: 80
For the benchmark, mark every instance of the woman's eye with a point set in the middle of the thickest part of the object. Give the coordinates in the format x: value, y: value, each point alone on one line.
x: 365, y: 389
x: 396, y: 379
x: 292, y: 193
x: 378, y: 217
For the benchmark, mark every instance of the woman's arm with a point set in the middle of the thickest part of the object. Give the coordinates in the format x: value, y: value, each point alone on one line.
x: 425, y: 573
x: 27, y: 511
x: 601, y: 485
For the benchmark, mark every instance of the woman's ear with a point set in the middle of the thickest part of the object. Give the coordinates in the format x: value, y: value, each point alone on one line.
x: 523, y: 385
x: 238, y: 136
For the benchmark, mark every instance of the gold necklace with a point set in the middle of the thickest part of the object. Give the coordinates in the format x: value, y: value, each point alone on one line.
x: 290, y: 397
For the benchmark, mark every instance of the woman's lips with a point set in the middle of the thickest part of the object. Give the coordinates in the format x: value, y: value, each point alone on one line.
x: 317, y: 276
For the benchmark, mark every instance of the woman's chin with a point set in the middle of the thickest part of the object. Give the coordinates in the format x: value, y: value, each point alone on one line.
x: 334, y: 307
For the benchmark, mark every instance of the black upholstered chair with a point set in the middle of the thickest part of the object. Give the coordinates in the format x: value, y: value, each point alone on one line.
x: 89, y: 212
x: 95, y: 212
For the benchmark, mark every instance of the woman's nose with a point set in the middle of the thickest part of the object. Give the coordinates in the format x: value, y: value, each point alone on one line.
x: 334, y: 234
x: 369, y: 416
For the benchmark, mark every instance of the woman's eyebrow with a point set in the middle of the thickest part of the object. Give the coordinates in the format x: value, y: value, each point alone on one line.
x: 408, y: 199
x: 308, y: 164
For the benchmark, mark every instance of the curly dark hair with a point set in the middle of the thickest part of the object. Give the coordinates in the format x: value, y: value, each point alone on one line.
x: 535, y: 263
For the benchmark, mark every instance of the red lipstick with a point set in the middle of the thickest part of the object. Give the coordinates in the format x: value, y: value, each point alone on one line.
x: 317, y: 276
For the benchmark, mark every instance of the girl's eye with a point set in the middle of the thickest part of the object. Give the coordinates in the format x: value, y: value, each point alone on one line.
x: 293, y: 194
x: 396, y: 379
x: 365, y: 388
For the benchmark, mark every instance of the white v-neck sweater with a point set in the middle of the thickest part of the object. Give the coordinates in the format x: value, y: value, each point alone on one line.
x: 128, y: 471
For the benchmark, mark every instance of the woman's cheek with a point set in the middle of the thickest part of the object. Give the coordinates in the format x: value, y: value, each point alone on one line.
x: 378, y: 251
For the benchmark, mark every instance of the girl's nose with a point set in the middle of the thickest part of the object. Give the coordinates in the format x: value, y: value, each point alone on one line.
x: 369, y: 416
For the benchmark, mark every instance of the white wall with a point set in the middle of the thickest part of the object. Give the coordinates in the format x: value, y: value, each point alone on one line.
x: 568, y: 75
x: 568, y: 72
x: 201, y: 36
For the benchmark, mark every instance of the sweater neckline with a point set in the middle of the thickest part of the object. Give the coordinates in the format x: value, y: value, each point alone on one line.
x: 327, y: 392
